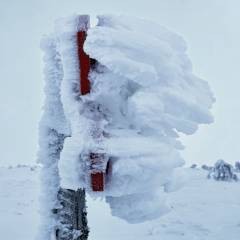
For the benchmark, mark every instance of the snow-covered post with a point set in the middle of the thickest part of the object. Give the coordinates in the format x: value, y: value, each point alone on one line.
x: 63, y: 210
x: 73, y: 215
x: 71, y: 133
x: 114, y: 108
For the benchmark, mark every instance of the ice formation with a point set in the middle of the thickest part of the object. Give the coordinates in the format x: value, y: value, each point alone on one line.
x: 145, y: 93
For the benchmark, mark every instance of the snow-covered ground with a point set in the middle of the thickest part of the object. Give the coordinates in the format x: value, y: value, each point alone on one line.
x: 202, y: 210
x: 19, y: 189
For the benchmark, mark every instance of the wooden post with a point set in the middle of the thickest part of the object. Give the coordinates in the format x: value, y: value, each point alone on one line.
x: 72, y: 215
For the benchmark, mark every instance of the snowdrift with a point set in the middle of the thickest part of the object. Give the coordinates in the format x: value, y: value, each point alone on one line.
x: 146, y: 93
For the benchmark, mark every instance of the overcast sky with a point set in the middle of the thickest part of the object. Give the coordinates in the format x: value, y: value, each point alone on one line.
x: 210, y: 28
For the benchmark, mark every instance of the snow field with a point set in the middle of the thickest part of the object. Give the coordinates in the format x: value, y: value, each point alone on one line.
x: 202, y: 210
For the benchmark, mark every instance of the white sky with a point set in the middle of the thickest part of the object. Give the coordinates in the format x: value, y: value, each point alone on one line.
x: 210, y: 28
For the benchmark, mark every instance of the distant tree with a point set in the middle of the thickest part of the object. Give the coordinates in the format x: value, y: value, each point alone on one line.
x: 222, y: 171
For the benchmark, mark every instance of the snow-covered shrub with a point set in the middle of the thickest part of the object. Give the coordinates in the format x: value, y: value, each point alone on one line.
x: 145, y: 92
x: 237, y: 166
x: 222, y: 171
x: 205, y: 167
x: 193, y: 166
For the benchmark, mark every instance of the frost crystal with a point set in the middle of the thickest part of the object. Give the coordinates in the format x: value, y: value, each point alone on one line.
x: 145, y: 93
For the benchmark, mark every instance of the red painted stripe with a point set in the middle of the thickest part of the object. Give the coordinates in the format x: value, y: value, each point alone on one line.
x: 97, y: 181
x: 84, y: 62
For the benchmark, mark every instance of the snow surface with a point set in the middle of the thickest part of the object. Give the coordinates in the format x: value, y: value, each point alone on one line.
x: 202, y: 210
x: 143, y: 94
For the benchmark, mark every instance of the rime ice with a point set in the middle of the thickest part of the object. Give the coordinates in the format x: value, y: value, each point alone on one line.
x: 146, y: 93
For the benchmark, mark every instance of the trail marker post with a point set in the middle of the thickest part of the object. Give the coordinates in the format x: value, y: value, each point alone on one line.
x: 72, y: 216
